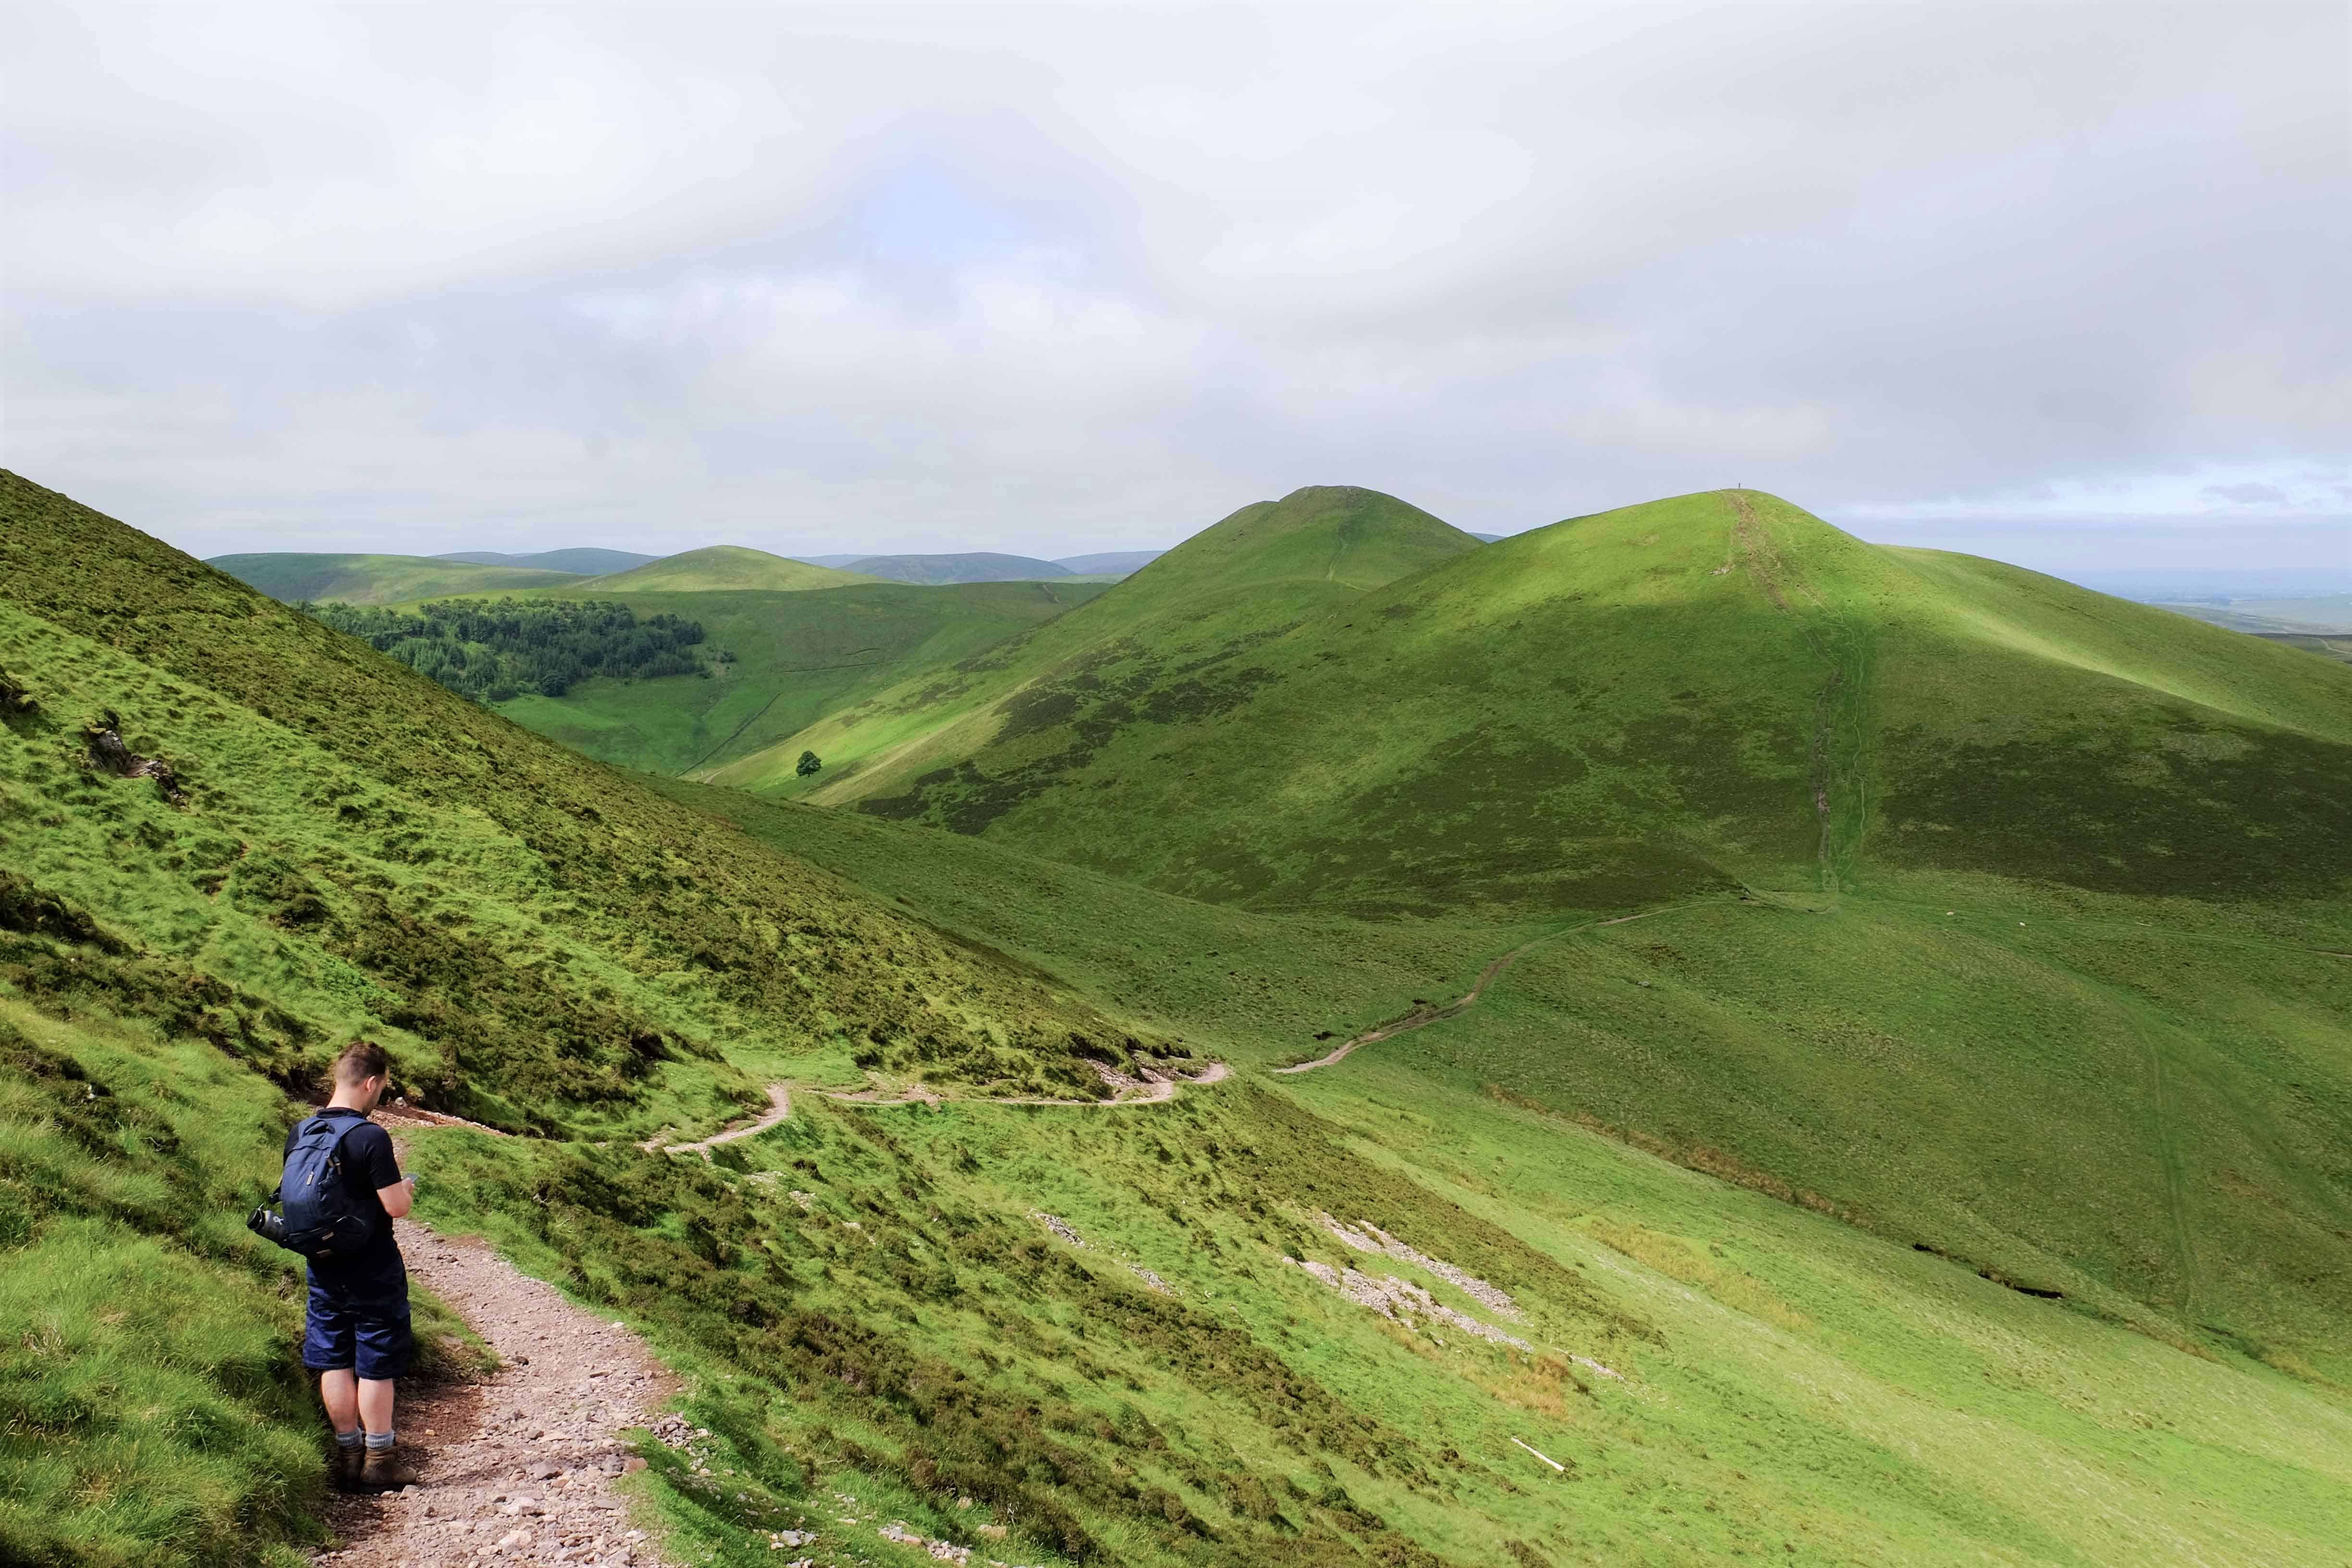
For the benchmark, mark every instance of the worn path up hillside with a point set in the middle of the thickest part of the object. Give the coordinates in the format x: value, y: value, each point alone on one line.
x: 1151, y: 1088
x: 1425, y: 1013
x: 519, y: 1468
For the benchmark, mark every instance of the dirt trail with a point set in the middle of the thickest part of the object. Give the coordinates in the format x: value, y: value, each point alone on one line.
x: 1150, y: 1088
x: 779, y: 1106
x: 1425, y: 1013
x: 1156, y: 1089
x: 519, y: 1468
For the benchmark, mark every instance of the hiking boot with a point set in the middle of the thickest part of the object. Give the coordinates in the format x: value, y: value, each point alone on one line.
x: 343, y: 1469
x: 388, y: 1469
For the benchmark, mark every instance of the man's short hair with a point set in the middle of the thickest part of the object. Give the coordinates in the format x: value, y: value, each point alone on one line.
x: 361, y: 1060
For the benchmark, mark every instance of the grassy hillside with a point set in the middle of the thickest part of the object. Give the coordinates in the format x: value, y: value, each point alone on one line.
x: 976, y: 566
x: 794, y: 656
x: 2103, y: 849
x: 720, y: 567
x: 1939, y: 1060
x: 1052, y: 1335
x: 378, y: 579
x: 1258, y: 574
x: 1647, y: 704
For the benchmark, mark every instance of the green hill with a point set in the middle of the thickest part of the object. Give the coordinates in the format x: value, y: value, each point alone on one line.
x: 977, y: 566
x: 1662, y: 700
x: 790, y: 659
x: 378, y: 579
x: 1257, y: 573
x: 1587, y: 1352
x: 2063, y: 844
x: 720, y: 567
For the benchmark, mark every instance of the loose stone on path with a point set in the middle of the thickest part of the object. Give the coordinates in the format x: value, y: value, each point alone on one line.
x: 519, y: 1469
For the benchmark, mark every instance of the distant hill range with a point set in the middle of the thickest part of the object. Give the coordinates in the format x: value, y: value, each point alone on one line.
x: 294, y: 578
x: 721, y: 566
x: 2325, y: 615
x: 976, y: 566
x: 1110, y: 562
x: 585, y: 562
x: 989, y: 566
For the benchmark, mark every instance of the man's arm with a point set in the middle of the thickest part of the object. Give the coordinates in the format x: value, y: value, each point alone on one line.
x: 396, y: 1197
x: 380, y: 1168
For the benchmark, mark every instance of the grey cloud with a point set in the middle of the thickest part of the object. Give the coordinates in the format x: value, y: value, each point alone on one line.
x: 2247, y: 495
x: 1051, y: 280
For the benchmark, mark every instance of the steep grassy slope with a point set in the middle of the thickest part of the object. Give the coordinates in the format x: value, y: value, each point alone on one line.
x: 721, y: 566
x: 1643, y: 705
x: 2140, y: 1103
x: 973, y: 567
x: 794, y: 657
x: 369, y: 851
x: 1259, y: 573
x: 378, y: 579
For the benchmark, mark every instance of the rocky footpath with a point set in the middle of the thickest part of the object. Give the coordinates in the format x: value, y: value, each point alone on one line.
x: 520, y: 1468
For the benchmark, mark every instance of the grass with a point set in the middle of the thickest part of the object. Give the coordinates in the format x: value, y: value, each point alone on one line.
x: 1619, y: 710
x: 1786, y: 1385
x: 719, y: 567
x: 1187, y: 614
x: 378, y: 579
x: 1702, y: 1150
x: 795, y: 657
x: 152, y: 1409
x: 2138, y: 1103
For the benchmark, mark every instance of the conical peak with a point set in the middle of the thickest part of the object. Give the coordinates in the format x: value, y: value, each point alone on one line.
x: 1344, y: 534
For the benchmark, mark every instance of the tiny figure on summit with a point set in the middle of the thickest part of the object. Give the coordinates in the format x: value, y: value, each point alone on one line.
x: 341, y: 1191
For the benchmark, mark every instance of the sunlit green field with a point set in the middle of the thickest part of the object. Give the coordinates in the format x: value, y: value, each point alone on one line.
x: 794, y: 655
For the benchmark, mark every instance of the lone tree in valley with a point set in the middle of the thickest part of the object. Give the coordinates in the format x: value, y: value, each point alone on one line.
x: 809, y: 761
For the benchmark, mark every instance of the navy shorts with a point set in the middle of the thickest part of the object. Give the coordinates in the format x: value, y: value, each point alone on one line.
x: 368, y: 1336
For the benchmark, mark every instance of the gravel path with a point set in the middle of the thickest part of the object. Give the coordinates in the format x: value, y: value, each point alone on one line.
x: 519, y: 1468
x: 779, y: 1106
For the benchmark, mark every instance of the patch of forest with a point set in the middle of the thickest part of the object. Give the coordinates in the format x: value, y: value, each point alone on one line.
x: 495, y: 650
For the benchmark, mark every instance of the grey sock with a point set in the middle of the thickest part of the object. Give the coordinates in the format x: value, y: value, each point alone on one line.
x: 350, y: 1439
x: 378, y: 1440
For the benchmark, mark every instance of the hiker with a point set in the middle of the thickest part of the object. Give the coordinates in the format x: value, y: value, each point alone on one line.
x: 355, y: 1336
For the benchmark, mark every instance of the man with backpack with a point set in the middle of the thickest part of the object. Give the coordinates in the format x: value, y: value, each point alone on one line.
x: 341, y: 1190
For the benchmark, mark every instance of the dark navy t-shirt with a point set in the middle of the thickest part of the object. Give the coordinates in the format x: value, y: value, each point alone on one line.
x: 369, y: 1166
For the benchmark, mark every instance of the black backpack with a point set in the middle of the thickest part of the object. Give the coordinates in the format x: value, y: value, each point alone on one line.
x: 321, y: 1217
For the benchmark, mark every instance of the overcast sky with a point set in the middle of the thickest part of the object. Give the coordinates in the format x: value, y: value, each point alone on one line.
x: 2064, y: 284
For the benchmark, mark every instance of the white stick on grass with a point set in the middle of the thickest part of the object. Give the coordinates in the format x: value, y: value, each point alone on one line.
x: 1547, y: 1458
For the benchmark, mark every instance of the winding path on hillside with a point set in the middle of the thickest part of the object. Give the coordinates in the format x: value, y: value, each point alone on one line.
x: 779, y: 1106
x: 1149, y: 1088
x: 1424, y: 1013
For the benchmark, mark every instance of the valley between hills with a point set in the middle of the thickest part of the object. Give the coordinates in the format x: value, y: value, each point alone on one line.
x: 1811, y: 1051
